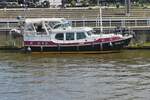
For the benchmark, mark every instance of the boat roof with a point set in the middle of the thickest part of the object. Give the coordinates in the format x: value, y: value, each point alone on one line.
x: 38, y: 20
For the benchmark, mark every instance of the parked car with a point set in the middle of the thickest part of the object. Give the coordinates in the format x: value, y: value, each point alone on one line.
x: 31, y: 4
x: 5, y: 4
x: 44, y: 4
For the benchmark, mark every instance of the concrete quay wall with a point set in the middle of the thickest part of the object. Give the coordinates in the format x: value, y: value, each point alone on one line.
x: 72, y: 13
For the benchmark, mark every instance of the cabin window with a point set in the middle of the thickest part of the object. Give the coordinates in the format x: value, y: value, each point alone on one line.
x: 81, y: 35
x: 59, y: 36
x: 70, y: 36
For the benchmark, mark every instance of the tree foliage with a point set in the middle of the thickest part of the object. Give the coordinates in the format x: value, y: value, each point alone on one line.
x: 90, y: 1
x: 111, y: 1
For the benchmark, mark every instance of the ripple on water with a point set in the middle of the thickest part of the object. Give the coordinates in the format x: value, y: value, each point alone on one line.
x: 121, y: 76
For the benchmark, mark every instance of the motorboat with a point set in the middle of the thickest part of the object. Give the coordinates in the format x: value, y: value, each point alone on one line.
x: 43, y: 35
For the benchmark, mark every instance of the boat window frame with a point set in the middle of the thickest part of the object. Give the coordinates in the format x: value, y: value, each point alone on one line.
x: 70, y: 39
x: 89, y: 33
x: 80, y: 38
x: 48, y: 27
x: 52, y: 24
x: 27, y: 30
x: 43, y: 29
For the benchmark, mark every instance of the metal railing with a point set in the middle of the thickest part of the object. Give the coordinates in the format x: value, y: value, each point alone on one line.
x: 107, y: 22
x: 113, y: 22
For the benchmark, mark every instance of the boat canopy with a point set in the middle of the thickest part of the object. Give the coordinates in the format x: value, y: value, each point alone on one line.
x: 36, y: 20
x: 53, y: 23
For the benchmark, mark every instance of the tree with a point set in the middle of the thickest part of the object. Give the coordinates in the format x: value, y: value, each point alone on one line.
x: 73, y: 3
x: 85, y: 2
x: 46, y: 4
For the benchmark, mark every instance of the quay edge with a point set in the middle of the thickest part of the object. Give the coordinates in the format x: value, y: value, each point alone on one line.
x: 86, y: 13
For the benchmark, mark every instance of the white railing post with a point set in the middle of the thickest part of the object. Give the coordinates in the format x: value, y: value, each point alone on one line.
x: 135, y: 23
x: 109, y: 25
x: 123, y: 21
x: 110, y: 22
x: 101, y: 20
x: 8, y: 25
x: 147, y: 22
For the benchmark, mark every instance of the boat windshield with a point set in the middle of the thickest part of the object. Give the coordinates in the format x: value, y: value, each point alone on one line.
x: 67, y: 24
x: 48, y: 26
x: 57, y: 26
x: 90, y: 32
x: 52, y: 24
x: 62, y: 25
x: 29, y: 27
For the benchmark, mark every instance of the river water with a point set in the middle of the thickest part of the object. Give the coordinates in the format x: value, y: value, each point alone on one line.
x: 116, y: 76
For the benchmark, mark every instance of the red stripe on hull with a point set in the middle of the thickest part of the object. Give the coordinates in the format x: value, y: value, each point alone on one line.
x: 50, y: 43
x: 39, y: 43
x: 108, y: 39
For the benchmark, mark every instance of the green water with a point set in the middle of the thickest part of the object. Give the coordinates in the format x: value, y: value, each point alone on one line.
x: 116, y: 76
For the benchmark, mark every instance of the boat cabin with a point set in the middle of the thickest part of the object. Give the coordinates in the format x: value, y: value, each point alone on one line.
x: 74, y: 34
x: 57, y: 29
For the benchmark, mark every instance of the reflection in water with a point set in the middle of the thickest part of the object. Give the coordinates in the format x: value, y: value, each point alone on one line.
x: 123, y: 76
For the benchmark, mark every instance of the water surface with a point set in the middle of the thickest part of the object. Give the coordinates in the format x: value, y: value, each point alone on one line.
x: 117, y: 76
